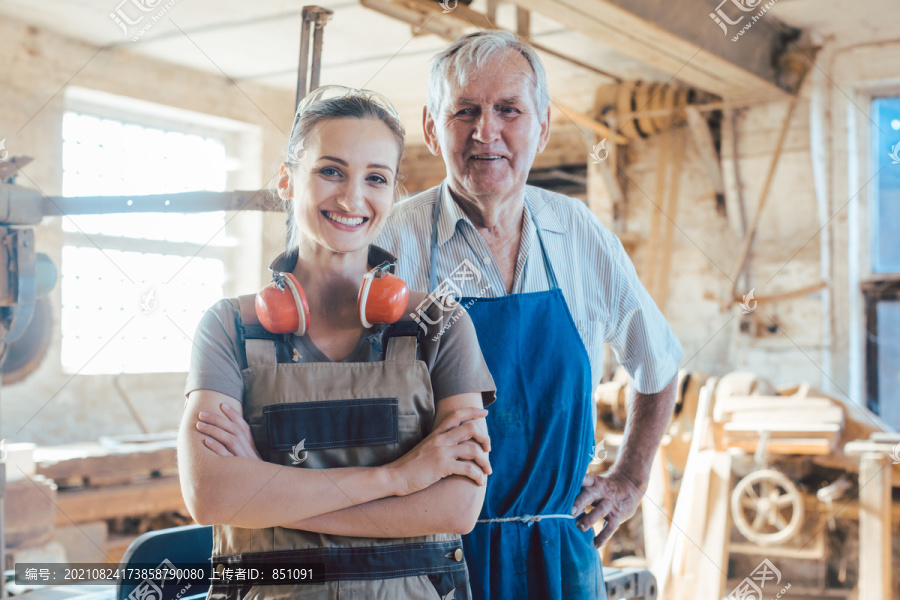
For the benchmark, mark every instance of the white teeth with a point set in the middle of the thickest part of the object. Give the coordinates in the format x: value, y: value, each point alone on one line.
x: 488, y: 157
x: 344, y: 220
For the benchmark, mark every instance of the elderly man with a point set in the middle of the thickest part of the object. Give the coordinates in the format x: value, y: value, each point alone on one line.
x: 546, y: 285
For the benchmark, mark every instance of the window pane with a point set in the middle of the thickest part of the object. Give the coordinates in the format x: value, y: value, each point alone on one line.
x: 886, y: 212
x: 102, y: 157
x: 134, y: 311
x: 111, y: 325
x: 888, y: 319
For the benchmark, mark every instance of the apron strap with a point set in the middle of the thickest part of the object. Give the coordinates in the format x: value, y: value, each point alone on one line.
x: 432, y: 275
x: 259, y: 345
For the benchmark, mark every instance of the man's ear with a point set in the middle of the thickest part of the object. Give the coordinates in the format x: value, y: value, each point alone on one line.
x: 544, y: 138
x: 285, y: 184
x: 430, y: 131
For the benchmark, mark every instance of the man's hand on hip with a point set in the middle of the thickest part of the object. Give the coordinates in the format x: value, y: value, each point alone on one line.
x: 614, y: 498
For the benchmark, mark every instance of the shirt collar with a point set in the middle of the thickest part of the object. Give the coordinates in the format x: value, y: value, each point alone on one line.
x: 541, y: 214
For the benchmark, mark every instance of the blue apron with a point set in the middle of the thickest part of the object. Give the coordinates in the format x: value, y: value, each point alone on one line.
x: 526, y: 544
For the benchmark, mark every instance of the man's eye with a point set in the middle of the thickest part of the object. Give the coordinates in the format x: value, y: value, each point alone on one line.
x: 509, y: 110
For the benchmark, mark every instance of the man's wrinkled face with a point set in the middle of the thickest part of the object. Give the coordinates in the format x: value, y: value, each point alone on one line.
x: 489, y: 130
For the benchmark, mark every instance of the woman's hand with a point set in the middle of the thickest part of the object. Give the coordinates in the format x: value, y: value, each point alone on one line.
x: 227, y: 435
x: 458, y: 445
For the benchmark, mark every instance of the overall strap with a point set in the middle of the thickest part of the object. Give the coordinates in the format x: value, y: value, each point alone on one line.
x: 402, y: 341
x: 259, y: 344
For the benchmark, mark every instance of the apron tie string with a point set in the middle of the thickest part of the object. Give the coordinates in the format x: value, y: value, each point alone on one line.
x: 529, y: 519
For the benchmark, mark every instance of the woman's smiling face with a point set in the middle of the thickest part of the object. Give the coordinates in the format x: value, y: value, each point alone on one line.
x: 343, y: 187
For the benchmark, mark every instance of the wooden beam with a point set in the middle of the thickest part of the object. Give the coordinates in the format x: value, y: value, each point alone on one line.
x: 428, y: 16
x: 585, y: 121
x: 671, y: 209
x: 675, y: 40
x: 523, y: 22
x: 707, y: 150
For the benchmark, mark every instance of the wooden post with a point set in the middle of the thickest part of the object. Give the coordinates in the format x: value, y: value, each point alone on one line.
x: 874, y: 527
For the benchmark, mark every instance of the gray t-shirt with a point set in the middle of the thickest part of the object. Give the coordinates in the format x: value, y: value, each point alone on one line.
x: 449, y: 348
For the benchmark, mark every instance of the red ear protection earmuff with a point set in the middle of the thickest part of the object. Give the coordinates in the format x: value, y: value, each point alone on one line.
x: 382, y: 297
x: 282, y: 307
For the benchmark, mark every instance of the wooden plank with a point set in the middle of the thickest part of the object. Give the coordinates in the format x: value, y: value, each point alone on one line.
x: 787, y: 446
x: 874, y: 527
x: 781, y: 429
x: 152, y: 496
x: 648, y: 273
x: 654, y: 514
x: 703, y: 140
x: 655, y: 45
x: 671, y: 210
x: 712, y: 569
x: 101, y: 464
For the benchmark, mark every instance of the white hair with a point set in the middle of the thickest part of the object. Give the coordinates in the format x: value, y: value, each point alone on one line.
x: 469, y: 53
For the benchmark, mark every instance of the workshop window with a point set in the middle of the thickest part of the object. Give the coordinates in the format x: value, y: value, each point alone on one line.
x: 134, y: 286
x: 882, y: 290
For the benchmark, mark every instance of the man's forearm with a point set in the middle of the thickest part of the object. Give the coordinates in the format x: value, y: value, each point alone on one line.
x: 648, y: 419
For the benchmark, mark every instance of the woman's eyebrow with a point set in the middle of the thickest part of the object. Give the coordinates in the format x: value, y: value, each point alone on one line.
x: 380, y: 166
x: 343, y: 162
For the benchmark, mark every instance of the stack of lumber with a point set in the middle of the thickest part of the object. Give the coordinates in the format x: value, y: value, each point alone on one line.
x: 791, y: 424
x: 28, y: 510
x: 115, y: 477
x: 74, y: 490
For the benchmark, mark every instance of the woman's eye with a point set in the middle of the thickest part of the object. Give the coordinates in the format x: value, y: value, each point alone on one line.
x: 378, y: 178
x: 329, y: 172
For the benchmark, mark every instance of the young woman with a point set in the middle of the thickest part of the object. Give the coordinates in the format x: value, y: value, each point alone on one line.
x: 360, y: 448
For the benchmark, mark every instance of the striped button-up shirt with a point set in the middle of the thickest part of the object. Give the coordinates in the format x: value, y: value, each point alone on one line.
x: 598, y: 281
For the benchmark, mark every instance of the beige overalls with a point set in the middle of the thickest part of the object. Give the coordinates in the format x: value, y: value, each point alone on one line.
x: 347, y: 414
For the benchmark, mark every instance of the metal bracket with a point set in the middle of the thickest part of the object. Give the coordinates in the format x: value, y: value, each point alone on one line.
x: 314, y: 19
x: 26, y: 287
